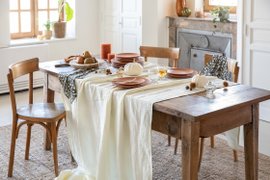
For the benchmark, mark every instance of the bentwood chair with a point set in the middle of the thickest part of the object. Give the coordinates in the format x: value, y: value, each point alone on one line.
x: 172, y: 54
x: 234, y: 69
x: 48, y: 115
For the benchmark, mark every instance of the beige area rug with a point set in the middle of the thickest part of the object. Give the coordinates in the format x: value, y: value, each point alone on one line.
x: 217, y: 163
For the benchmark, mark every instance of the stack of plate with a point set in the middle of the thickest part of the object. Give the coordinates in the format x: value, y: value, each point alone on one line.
x: 130, y: 82
x: 123, y: 58
x: 181, y: 72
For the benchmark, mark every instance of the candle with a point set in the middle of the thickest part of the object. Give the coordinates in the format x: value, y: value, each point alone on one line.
x: 105, y: 49
x: 110, y: 56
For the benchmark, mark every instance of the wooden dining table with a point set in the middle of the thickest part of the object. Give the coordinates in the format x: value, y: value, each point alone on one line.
x: 193, y: 116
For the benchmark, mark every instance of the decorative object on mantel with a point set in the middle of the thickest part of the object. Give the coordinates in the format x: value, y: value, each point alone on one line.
x: 221, y: 13
x: 198, y: 14
x: 181, y: 8
x: 59, y: 27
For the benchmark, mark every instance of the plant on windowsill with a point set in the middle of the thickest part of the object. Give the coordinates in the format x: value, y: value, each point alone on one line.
x: 65, y: 14
x: 47, y: 33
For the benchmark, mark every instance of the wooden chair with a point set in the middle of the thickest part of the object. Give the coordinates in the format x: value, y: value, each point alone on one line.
x: 48, y: 115
x: 234, y: 69
x: 173, y: 54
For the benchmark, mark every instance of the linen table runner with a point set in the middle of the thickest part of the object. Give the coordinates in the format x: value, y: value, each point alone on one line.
x: 110, y: 128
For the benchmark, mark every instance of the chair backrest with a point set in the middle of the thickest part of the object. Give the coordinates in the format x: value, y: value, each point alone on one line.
x: 172, y: 54
x: 232, y: 66
x: 17, y: 70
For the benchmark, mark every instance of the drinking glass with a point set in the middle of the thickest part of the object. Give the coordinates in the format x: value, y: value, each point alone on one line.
x: 162, y: 72
x: 210, y: 88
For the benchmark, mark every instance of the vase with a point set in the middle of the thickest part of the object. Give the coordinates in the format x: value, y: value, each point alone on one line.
x: 59, y: 29
x: 180, y: 4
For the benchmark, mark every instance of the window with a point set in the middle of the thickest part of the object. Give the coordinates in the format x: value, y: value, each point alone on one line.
x: 28, y: 16
x: 210, y: 4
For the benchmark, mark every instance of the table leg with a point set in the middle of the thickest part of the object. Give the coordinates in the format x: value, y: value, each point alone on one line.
x: 251, y: 145
x: 48, y: 98
x: 190, y: 132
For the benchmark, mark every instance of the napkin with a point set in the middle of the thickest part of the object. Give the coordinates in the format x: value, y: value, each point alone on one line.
x: 67, y: 81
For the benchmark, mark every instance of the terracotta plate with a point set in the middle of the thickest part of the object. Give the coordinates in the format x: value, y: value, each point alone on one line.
x: 180, y: 71
x: 130, y: 82
x: 180, y: 76
x: 116, y: 63
x: 127, y: 55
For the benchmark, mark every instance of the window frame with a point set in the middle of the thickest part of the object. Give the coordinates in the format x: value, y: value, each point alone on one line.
x: 34, y: 10
x: 208, y: 7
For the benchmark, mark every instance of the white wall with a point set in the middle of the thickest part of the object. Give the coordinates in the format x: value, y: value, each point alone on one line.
x: 87, y: 38
x: 154, y: 22
x: 4, y: 18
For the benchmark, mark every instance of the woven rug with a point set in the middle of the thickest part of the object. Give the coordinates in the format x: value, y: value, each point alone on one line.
x: 217, y: 163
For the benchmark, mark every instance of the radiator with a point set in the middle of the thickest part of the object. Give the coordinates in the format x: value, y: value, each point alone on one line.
x: 21, y: 85
x: 12, y: 55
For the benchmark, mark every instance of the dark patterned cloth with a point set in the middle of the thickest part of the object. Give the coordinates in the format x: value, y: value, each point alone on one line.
x: 68, y: 82
x: 217, y: 67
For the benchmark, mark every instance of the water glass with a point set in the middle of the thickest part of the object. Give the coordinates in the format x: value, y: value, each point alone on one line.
x: 210, y: 88
x: 162, y: 72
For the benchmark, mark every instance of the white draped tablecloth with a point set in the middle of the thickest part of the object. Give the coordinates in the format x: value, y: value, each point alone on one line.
x: 109, y: 129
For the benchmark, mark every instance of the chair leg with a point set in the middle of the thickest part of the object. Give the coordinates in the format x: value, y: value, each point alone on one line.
x: 212, y: 141
x: 28, y: 139
x: 72, y: 158
x: 201, y: 151
x: 54, y: 143
x: 169, y: 140
x: 12, y: 148
x: 235, y: 156
x: 176, y: 145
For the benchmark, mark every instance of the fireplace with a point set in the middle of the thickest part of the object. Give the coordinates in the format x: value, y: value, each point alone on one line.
x: 197, y: 36
x: 195, y: 43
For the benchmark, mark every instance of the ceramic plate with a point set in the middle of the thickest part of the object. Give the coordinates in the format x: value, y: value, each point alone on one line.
x: 130, y: 82
x: 180, y: 71
x: 127, y: 55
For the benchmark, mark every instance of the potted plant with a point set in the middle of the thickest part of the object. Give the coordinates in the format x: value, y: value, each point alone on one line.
x: 221, y: 13
x: 47, y: 33
x: 65, y: 14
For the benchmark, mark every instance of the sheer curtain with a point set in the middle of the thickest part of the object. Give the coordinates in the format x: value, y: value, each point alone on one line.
x: 4, y: 20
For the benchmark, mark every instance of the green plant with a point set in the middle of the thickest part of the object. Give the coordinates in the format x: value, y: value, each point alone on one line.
x: 47, y: 25
x: 221, y: 13
x: 64, y: 8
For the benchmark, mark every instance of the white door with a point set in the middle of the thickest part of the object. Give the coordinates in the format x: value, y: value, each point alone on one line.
x: 256, y: 57
x: 110, y: 27
x: 122, y: 25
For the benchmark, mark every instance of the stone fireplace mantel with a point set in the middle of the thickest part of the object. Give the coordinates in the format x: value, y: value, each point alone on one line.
x: 202, y: 24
